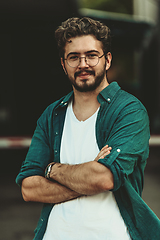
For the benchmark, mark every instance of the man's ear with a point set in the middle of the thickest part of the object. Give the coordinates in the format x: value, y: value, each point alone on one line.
x: 62, y: 63
x: 108, y: 60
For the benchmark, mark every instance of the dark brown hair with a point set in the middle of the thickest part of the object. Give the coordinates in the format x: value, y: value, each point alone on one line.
x: 74, y: 27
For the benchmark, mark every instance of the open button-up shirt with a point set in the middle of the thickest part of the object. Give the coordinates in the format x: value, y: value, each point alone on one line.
x: 123, y: 124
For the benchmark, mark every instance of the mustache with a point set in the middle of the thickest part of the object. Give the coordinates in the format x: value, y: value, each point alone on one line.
x: 86, y: 71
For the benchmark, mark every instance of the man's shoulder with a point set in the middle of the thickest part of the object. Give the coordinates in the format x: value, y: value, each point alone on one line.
x: 60, y: 102
x: 53, y: 105
x: 117, y: 97
x: 121, y: 103
x: 127, y: 99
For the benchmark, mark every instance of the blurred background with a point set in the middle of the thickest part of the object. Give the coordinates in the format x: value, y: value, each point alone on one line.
x: 31, y: 78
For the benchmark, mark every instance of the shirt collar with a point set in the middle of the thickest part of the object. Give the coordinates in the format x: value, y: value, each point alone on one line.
x: 109, y: 92
x: 66, y: 100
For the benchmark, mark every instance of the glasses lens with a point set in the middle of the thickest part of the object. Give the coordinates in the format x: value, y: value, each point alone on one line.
x: 73, y: 60
x: 91, y: 59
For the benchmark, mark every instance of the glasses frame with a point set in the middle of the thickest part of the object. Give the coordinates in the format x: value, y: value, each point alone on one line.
x: 85, y: 60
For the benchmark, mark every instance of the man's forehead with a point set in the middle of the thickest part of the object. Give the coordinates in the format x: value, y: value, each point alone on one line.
x: 83, y: 43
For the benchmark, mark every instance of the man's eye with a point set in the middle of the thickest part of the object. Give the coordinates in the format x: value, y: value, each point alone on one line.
x: 73, y: 58
x: 92, y: 56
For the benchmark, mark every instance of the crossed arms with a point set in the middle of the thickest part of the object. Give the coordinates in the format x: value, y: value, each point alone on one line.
x: 69, y: 181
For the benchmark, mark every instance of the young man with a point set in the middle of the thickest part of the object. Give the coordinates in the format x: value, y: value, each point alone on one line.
x: 88, y: 153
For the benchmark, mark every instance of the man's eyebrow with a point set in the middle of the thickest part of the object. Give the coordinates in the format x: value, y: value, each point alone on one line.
x: 77, y: 53
x: 72, y: 53
x: 93, y: 51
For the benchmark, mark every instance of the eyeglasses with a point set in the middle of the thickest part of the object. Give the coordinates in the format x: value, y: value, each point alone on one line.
x: 91, y: 59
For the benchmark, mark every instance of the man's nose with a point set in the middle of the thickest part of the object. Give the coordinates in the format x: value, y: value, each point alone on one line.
x: 82, y: 62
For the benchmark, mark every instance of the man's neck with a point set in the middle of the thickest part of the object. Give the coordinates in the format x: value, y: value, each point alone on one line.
x: 85, y: 104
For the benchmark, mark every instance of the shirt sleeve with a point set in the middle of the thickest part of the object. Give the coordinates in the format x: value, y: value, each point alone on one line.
x: 129, y: 139
x: 39, y: 154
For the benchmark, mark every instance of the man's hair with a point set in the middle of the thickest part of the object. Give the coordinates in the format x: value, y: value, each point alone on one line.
x: 76, y: 27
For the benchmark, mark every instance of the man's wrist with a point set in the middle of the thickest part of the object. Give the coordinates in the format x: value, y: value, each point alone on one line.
x: 48, y: 170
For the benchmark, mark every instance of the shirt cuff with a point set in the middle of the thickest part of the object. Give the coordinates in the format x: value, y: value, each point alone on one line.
x: 110, y: 161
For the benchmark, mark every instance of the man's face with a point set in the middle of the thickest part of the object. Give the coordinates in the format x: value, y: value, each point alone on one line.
x: 85, y: 78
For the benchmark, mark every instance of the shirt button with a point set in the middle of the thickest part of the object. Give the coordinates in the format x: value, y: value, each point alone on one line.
x: 118, y: 150
x: 108, y: 99
x: 55, y: 151
x: 42, y: 219
x: 56, y: 133
x: 56, y: 114
x: 65, y: 104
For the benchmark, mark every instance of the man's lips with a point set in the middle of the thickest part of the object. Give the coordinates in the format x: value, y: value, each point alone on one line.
x: 84, y: 74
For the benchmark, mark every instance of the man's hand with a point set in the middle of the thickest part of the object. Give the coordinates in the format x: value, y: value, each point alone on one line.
x: 104, y: 152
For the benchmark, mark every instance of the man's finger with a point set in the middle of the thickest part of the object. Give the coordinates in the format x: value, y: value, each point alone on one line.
x: 104, y: 152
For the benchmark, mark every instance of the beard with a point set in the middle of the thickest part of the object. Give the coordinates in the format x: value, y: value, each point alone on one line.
x: 85, y: 86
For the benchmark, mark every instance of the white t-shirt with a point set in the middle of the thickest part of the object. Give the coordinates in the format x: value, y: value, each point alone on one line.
x: 94, y: 217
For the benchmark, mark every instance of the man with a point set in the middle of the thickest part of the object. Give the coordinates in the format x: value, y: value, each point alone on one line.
x: 88, y: 153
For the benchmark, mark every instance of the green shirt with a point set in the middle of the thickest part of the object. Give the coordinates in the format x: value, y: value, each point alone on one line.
x: 123, y: 124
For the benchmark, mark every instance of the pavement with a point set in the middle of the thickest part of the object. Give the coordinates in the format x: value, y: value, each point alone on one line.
x: 18, y: 219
